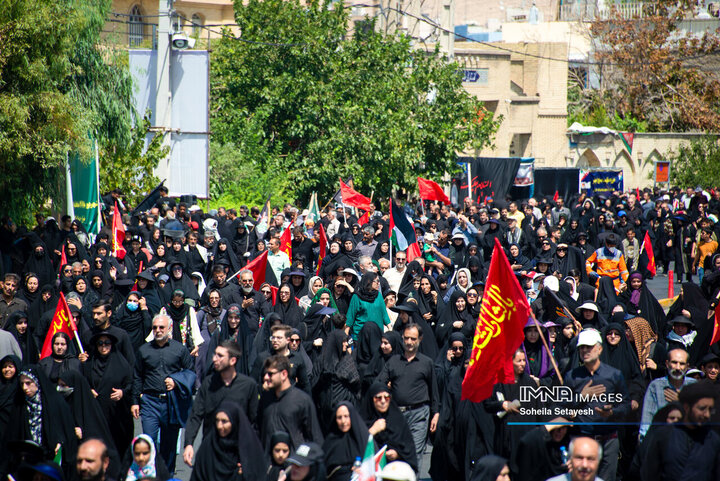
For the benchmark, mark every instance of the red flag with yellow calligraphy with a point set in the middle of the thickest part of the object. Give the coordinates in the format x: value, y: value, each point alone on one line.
x: 503, y: 314
x: 62, y: 321
x: 118, y: 234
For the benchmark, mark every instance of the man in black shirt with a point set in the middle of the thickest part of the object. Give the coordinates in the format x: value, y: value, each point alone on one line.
x: 284, y: 407
x: 414, y: 387
x: 253, y: 302
x: 605, y: 399
x: 157, y: 360
x: 279, y: 344
x: 223, y: 383
x: 101, y: 313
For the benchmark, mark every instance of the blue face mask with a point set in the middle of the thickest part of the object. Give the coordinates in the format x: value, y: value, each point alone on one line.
x: 132, y: 306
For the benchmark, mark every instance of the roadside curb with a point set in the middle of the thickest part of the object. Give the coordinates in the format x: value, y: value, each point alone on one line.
x: 665, y: 303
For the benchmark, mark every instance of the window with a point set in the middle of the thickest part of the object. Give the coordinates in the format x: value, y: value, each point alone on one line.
x: 196, y: 25
x: 135, y: 27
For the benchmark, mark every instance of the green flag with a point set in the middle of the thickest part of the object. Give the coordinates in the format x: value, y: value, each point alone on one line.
x: 58, y: 457
x: 85, y: 190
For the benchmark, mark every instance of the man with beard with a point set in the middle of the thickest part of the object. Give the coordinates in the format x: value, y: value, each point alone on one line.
x: 284, y: 407
x: 223, y: 383
x: 253, y: 303
x: 411, y: 377
x: 279, y: 345
x: 585, y: 455
x: 157, y: 361
x: 665, y: 389
x: 196, y: 254
x: 229, y: 293
x: 9, y: 303
x: 607, y: 399
x: 689, y: 448
x: 92, y: 461
x: 101, y: 313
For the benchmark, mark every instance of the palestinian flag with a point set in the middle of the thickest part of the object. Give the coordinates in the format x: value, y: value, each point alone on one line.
x: 403, y: 233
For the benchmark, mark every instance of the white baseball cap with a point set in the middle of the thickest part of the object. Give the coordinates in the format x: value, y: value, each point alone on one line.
x: 589, y: 337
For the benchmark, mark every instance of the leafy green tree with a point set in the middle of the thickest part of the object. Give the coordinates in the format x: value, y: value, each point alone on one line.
x: 60, y: 91
x: 130, y: 166
x: 696, y: 164
x: 321, y: 104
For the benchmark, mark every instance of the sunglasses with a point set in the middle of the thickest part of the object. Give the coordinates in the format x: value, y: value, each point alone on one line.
x: 104, y: 343
x: 470, y: 294
x: 294, y: 340
x: 381, y: 397
x: 457, y: 348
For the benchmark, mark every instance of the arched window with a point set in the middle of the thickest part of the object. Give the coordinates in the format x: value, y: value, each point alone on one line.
x: 197, y: 22
x: 136, y: 29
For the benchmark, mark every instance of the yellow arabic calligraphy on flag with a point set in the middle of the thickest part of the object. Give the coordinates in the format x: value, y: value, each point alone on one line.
x: 495, y: 309
x: 503, y: 313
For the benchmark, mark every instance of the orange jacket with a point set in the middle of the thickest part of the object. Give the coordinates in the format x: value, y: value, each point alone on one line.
x: 610, y: 263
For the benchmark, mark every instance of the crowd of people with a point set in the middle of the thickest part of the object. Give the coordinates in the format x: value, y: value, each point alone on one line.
x: 288, y: 372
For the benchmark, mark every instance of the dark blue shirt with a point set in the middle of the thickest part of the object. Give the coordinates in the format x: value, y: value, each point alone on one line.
x: 616, y: 393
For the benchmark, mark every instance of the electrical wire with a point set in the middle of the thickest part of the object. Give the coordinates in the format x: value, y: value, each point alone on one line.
x: 416, y: 17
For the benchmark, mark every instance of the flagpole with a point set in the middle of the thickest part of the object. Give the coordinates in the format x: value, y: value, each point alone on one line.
x: 77, y: 339
x: 547, y: 348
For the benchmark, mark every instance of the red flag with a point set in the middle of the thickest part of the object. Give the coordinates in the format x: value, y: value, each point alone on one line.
x: 503, y: 314
x: 647, y: 247
x: 430, y: 190
x: 63, y: 257
x: 258, y: 266
x: 353, y: 198
x: 716, y: 329
x: 62, y: 321
x: 556, y: 196
x: 118, y: 234
x: 323, y: 246
x: 286, y: 242
x: 364, y: 219
x: 637, y: 193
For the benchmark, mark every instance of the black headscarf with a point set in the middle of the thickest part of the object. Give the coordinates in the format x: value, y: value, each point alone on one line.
x: 488, y: 468
x: 54, y: 365
x: 290, y: 312
x: 241, y: 336
x: 41, y: 265
x: 218, y: 457
x: 623, y: 356
x: 40, y: 307
x: 8, y: 390
x: 55, y: 418
x: 26, y: 341
x: 692, y: 300
x: 228, y: 255
x: 86, y: 410
x: 340, y: 448
x: 396, y: 435
x: 642, y: 303
x: 364, y: 289
x: 136, y: 323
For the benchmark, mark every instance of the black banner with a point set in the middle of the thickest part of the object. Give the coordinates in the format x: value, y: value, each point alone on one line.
x: 566, y: 181
x: 491, y: 177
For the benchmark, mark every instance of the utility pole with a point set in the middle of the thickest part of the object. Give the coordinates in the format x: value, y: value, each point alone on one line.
x: 163, y: 104
x: 447, y: 22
